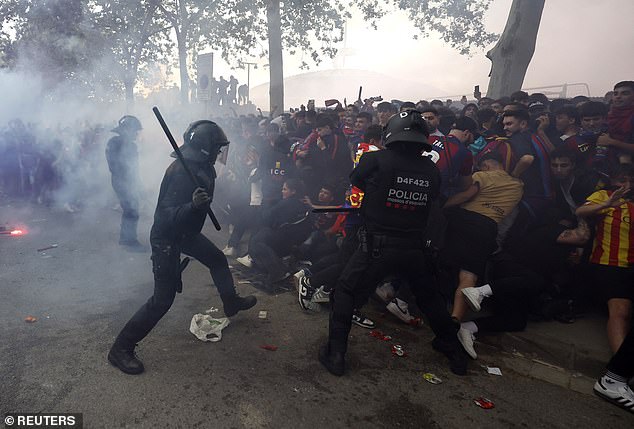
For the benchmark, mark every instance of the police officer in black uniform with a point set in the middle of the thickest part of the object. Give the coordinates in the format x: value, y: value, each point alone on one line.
x: 123, y: 161
x: 400, y: 186
x: 178, y: 220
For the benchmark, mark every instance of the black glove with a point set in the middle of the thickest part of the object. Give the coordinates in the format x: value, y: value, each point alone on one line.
x: 200, y: 198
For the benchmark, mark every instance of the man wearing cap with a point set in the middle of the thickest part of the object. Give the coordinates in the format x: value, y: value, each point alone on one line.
x: 178, y: 220
x: 123, y: 161
x: 400, y: 186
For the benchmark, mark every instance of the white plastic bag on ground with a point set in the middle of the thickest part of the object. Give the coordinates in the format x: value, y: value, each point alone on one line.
x: 206, y: 328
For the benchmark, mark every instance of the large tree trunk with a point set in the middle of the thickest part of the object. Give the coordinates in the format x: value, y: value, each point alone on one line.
x: 181, y: 40
x: 512, y: 54
x: 182, y: 64
x: 276, y: 84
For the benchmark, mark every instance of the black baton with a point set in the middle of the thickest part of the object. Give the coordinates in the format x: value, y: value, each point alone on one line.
x: 182, y: 160
x: 336, y: 210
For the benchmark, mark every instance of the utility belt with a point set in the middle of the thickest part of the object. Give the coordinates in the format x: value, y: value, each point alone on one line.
x: 372, y: 243
x: 167, y: 264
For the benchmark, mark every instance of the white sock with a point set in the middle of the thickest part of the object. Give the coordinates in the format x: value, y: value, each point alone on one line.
x: 485, y: 290
x: 616, y: 380
x: 470, y: 326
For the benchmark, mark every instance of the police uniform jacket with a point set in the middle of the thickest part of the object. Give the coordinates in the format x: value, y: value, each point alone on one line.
x: 399, y: 186
x: 175, y: 217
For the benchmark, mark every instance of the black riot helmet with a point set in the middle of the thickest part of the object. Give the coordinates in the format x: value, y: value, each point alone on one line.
x: 408, y: 126
x: 203, y: 141
x: 127, y: 125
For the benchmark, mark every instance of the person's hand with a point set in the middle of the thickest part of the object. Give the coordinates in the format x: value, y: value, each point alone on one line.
x: 615, y: 198
x: 200, y: 197
x: 306, y: 200
x: 543, y: 122
x: 604, y: 140
x: 321, y: 144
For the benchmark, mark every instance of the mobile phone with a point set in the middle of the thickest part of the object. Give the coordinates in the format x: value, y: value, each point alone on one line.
x: 476, y: 92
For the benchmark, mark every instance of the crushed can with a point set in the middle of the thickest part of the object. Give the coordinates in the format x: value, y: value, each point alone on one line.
x: 397, y: 350
x: 380, y: 335
x: 485, y: 403
x: 431, y: 378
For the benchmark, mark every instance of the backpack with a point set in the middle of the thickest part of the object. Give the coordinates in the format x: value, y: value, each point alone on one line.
x: 501, y: 145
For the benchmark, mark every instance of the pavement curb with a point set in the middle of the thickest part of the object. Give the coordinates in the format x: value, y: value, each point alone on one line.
x: 549, y: 359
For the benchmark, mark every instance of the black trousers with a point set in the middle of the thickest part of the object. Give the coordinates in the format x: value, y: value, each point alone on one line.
x: 267, y: 248
x: 166, y: 267
x: 129, y: 202
x: 366, y: 268
x: 248, y: 219
x: 514, y: 288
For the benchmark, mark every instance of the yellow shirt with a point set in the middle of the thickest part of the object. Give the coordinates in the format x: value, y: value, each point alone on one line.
x: 498, y: 195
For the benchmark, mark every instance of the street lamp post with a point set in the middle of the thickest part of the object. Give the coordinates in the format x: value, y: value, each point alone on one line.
x: 249, y: 78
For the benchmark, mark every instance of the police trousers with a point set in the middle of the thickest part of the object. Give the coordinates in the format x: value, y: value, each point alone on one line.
x: 129, y: 201
x: 167, y: 281
x: 371, y: 263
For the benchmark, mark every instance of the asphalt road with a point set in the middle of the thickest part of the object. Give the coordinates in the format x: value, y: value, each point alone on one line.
x: 84, y: 290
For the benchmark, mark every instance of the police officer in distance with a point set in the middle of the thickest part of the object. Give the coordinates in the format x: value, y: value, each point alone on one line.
x: 178, y: 220
x: 400, y: 186
x: 123, y: 161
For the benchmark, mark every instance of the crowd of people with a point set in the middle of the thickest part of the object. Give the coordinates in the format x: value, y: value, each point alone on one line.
x: 532, y: 217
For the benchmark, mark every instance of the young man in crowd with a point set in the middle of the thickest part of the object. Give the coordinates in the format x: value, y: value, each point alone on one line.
x: 620, y: 135
x: 430, y: 115
x: 472, y: 218
x: 613, y: 250
x: 452, y: 157
x: 384, y: 111
x: 532, y: 164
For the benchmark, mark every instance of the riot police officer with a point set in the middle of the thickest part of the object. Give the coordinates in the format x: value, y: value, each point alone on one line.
x: 123, y: 161
x: 178, y: 221
x: 400, y: 186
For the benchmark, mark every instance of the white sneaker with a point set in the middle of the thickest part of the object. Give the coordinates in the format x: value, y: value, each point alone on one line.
x: 386, y: 292
x: 321, y: 296
x: 618, y: 393
x: 474, y: 298
x: 467, y: 338
x: 305, y: 294
x: 229, y: 251
x: 400, y: 309
x: 246, y: 261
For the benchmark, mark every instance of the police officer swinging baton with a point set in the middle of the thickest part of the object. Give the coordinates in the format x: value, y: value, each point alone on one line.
x: 179, y: 155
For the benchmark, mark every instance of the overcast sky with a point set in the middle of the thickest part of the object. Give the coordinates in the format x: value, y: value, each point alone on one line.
x: 579, y: 41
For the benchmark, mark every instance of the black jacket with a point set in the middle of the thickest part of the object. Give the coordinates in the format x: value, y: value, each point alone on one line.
x: 175, y: 217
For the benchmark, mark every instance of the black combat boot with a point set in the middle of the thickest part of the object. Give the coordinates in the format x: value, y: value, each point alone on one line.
x: 235, y: 303
x: 333, y: 361
x: 125, y: 359
x: 451, y: 348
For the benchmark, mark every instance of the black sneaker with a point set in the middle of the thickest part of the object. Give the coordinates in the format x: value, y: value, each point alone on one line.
x: 359, y: 319
x: 235, y: 303
x: 452, y: 349
x: 125, y: 359
x: 334, y: 362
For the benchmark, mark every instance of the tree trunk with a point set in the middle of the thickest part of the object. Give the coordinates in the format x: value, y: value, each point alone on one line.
x: 182, y: 64
x: 181, y: 40
x: 128, y: 83
x: 512, y: 54
x: 276, y: 84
